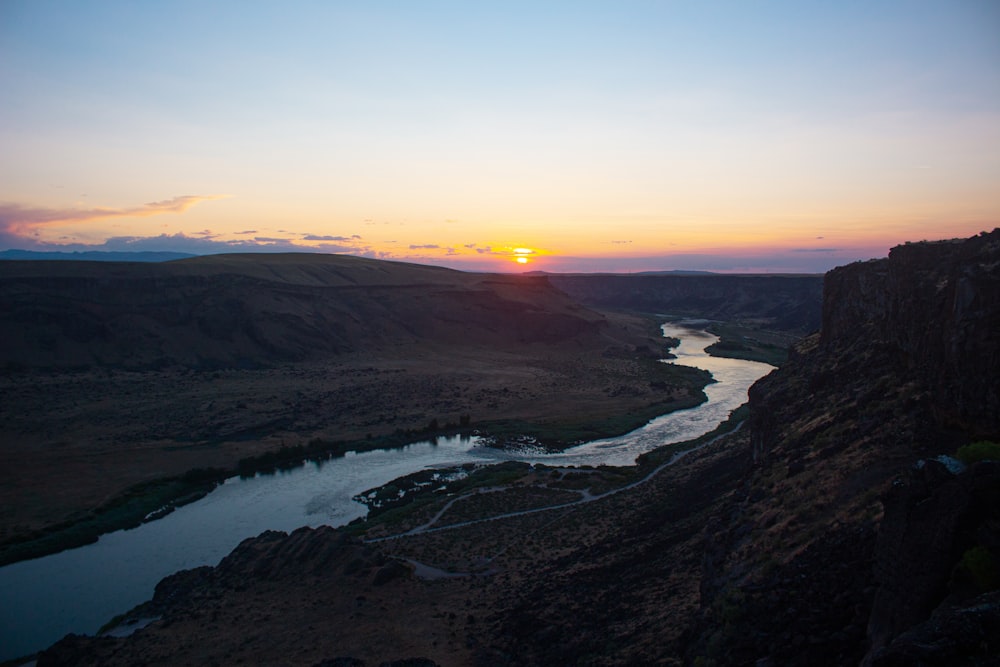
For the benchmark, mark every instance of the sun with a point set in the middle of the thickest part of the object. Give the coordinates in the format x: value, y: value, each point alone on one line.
x: 521, y: 255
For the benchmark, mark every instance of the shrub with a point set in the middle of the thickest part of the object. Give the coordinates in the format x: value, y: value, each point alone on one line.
x: 978, y: 451
x: 982, y: 566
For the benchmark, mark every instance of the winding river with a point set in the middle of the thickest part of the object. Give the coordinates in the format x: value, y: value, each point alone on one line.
x: 81, y: 589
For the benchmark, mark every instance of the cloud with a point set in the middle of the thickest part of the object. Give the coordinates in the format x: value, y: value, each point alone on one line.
x: 507, y: 251
x: 22, y: 222
x: 429, y: 246
x: 816, y: 249
x: 194, y: 245
x: 249, y: 231
x: 179, y: 242
x: 315, y: 237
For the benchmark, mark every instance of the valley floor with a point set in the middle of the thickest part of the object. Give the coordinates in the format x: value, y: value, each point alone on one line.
x: 74, y: 442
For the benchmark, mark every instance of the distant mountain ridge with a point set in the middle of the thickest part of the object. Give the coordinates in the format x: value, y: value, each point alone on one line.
x: 95, y: 255
x: 789, y: 303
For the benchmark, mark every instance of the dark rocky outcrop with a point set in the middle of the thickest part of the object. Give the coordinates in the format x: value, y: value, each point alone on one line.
x: 935, y: 307
x: 933, y: 520
x: 849, y: 538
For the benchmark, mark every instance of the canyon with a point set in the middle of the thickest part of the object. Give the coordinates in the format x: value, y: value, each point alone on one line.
x: 849, y: 521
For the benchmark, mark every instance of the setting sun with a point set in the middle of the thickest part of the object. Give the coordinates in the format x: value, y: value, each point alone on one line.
x: 724, y: 148
x: 521, y: 255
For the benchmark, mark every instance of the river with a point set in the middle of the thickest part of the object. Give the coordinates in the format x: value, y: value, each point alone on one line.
x: 81, y: 589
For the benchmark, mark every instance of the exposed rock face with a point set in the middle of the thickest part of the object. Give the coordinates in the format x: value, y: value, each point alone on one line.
x: 936, y: 308
x: 932, y: 520
x: 844, y: 438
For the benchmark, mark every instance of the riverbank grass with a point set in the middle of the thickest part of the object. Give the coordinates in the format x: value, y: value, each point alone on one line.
x: 144, y: 502
x: 412, y: 501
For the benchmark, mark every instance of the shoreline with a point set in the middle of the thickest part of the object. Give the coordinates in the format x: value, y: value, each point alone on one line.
x: 149, y: 501
x: 676, y: 452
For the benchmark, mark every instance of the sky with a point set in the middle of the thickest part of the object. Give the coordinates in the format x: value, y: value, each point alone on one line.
x: 749, y: 135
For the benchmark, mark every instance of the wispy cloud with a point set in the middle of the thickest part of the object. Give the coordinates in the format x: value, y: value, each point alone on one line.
x: 20, y: 222
x: 316, y: 237
x: 427, y: 246
x: 205, y: 246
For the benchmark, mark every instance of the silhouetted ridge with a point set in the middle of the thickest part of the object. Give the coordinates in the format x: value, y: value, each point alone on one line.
x: 783, y: 302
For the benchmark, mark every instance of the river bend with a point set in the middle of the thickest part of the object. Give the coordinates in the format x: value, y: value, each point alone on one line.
x: 81, y: 589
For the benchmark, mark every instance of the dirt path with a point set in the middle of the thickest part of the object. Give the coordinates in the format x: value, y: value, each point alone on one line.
x: 585, y: 497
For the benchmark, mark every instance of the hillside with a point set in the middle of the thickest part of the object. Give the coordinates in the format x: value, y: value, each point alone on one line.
x: 252, y: 311
x: 835, y: 529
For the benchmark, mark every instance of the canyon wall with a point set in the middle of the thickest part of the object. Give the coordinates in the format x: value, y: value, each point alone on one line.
x: 936, y: 308
x: 858, y: 537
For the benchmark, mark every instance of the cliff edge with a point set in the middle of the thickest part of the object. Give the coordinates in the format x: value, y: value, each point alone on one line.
x: 859, y: 537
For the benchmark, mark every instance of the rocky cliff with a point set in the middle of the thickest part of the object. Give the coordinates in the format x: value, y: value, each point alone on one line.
x: 936, y: 308
x: 852, y: 540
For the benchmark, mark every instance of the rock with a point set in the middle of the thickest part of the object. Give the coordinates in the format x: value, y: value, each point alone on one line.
x: 392, y: 570
x: 906, y: 368
x: 74, y: 651
x: 955, y: 636
x: 935, y: 307
x: 930, y: 521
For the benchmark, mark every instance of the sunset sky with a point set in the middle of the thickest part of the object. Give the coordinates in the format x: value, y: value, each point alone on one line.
x: 579, y: 136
